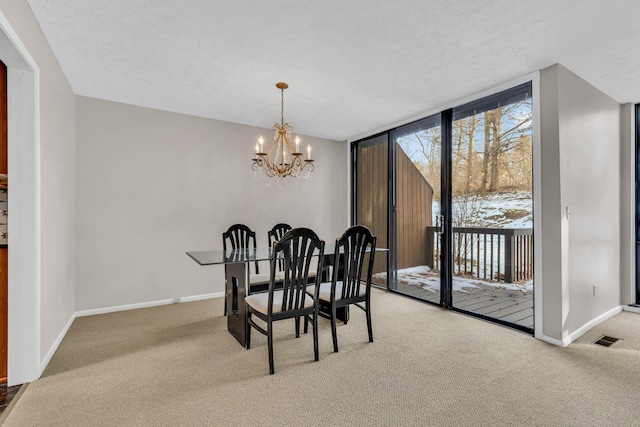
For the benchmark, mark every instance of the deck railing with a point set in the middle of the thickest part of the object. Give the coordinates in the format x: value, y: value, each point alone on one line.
x: 495, y: 254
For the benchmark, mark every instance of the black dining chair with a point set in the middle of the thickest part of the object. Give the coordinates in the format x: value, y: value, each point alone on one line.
x: 275, y: 234
x: 346, y: 287
x: 297, y: 248
x: 239, y: 237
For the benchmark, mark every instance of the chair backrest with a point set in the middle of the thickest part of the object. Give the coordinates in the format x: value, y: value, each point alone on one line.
x: 352, y: 249
x: 297, y: 249
x: 239, y: 236
x: 275, y: 234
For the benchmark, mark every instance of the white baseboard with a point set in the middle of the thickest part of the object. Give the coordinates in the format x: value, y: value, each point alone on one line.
x: 54, y: 347
x: 201, y: 297
x: 147, y: 304
x: 587, y: 326
x: 631, y: 309
x: 553, y: 341
x: 594, y: 322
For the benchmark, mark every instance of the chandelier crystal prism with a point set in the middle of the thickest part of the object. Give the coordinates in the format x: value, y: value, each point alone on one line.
x: 282, y: 163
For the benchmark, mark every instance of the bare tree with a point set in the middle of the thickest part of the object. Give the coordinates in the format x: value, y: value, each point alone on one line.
x: 503, y: 163
x: 471, y: 153
x: 496, y: 121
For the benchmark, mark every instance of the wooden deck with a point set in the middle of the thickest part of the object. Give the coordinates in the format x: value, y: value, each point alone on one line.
x: 512, y: 306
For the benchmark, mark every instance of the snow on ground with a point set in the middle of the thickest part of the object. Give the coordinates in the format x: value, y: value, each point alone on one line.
x: 497, y: 210
x: 422, y: 276
x: 505, y: 210
x: 428, y: 280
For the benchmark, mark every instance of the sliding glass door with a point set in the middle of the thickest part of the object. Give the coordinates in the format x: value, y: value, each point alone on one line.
x: 418, y: 217
x: 451, y: 196
x: 371, y: 190
x: 492, y: 207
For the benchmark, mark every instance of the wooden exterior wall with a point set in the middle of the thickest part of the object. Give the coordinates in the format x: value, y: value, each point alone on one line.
x: 372, y: 196
x: 414, y: 204
x: 415, y: 195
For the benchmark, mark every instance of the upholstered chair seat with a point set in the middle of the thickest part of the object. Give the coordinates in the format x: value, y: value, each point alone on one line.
x: 325, y: 291
x: 260, y: 302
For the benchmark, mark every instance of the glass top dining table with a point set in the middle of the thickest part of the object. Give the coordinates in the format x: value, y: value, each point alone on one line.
x: 237, y: 280
x: 229, y: 256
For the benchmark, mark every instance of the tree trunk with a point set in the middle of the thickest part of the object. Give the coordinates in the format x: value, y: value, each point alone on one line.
x: 487, y: 151
x: 471, y: 153
x: 458, y: 177
x: 495, y: 149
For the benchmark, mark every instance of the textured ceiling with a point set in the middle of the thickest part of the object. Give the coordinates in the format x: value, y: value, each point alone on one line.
x: 353, y: 66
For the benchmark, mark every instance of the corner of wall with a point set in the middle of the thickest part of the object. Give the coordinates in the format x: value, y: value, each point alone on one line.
x: 54, y: 347
x: 627, y: 204
x: 551, y: 207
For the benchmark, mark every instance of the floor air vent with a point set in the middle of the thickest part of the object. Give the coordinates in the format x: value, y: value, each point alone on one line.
x: 607, y: 341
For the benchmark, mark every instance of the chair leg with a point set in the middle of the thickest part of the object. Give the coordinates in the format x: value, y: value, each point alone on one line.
x: 248, y: 331
x: 225, y: 304
x: 369, y: 320
x: 306, y: 324
x: 270, y: 345
x: 315, y: 336
x: 298, y: 327
x: 333, y: 328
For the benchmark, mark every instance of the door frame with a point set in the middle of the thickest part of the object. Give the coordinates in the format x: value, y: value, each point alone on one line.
x: 23, y: 90
x: 636, y: 226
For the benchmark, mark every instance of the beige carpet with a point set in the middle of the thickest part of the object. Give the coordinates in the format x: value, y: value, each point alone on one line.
x: 178, y: 366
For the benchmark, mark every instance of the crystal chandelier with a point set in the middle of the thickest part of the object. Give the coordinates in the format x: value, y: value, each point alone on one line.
x: 282, y: 163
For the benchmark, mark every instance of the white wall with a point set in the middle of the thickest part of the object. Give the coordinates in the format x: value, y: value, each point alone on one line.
x: 580, y: 128
x: 41, y: 170
x: 152, y: 185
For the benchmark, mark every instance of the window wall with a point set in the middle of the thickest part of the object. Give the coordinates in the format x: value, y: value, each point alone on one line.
x: 455, y: 190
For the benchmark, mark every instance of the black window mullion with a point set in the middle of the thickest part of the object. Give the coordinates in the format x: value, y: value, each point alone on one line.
x: 506, y: 97
x: 354, y: 182
x: 392, y: 237
x: 446, y: 275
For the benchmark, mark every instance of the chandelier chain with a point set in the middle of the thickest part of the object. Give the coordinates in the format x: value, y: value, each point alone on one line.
x: 282, y: 106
